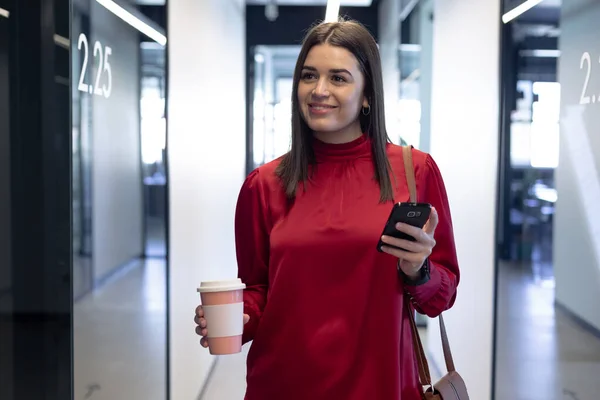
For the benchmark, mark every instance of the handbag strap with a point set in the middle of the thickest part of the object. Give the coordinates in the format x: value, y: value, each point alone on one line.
x: 424, y: 374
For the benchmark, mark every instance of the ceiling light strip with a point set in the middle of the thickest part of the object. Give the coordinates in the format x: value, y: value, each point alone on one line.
x: 333, y: 11
x: 62, y: 41
x: 4, y: 13
x: 408, y: 8
x: 134, y: 21
x: 520, y: 9
x: 541, y: 53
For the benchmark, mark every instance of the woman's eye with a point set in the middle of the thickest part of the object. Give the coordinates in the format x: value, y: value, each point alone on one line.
x: 339, y: 79
x: 308, y: 76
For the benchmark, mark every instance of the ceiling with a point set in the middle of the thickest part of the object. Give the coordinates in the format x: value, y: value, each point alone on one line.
x: 547, y: 12
x: 550, y: 3
x: 150, y: 2
x: 347, y: 3
x: 539, y: 27
x: 544, y: 16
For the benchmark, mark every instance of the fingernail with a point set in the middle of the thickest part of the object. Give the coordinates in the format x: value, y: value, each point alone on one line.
x: 399, y: 225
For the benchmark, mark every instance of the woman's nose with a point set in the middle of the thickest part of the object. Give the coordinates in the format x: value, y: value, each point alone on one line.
x: 321, y: 89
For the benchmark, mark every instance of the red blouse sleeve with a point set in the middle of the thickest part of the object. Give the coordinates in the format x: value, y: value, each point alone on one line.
x: 439, y: 293
x: 252, y: 250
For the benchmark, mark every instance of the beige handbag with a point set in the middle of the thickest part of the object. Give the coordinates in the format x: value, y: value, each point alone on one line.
x: 451, y: 386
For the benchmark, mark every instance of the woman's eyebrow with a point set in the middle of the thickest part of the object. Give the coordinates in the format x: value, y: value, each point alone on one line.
x: 333, y: 70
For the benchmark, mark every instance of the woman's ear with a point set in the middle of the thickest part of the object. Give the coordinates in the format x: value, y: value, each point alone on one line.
x: 365, y: 103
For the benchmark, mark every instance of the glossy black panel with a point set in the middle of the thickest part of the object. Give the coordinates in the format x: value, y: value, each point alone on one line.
x: 6, y: 334
x: 35, y: 249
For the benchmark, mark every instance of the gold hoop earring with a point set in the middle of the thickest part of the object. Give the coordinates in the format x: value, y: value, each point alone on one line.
x: 366, y: 110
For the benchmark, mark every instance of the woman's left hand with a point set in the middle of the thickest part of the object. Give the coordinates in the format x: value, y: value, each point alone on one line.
x: 415, y: 253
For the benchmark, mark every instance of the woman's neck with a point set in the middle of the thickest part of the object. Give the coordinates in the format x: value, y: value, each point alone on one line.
x: 346, y: 135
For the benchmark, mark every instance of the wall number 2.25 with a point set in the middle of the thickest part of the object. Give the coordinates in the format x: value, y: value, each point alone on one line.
x: 586, y: 62
x: 103, y: 68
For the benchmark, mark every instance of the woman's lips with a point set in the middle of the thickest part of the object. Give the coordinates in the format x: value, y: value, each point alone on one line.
x: 320, y: 109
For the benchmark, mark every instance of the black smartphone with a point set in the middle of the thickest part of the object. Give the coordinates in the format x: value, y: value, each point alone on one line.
x: 415, y: 214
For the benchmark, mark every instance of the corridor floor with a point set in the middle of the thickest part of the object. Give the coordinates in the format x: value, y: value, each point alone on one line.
x: 541, y: 354
x: 120, y: 336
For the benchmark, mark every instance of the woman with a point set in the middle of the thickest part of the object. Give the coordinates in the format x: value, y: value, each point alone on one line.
x: 324, y: 309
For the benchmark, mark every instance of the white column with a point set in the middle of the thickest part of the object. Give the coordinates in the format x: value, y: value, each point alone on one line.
x: 206, y: 154
x: 389, y: 42
x: 464, y: 142
x: 426, y: 64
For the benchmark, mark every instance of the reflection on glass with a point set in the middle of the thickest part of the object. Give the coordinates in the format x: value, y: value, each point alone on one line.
x: 119, y: 200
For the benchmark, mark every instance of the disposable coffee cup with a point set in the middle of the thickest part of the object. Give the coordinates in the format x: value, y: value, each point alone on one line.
x: 223, y: 304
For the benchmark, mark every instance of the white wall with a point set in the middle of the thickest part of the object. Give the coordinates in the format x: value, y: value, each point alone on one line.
x: 117, y: 203
x: 206, y: 155
x: 464, y: 142
x: 577, y: 220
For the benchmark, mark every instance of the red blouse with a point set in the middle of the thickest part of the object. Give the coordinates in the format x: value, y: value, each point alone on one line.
x: 326, y: 308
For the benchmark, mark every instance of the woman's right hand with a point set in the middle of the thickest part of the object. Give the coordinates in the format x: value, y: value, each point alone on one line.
x: 201, y: 325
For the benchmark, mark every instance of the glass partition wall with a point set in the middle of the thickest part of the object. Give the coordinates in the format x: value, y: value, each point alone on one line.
x: 119, y: 200
x: 547, y: 333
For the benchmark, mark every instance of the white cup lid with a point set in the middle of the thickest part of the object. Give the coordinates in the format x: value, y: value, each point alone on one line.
x: 221, y: 286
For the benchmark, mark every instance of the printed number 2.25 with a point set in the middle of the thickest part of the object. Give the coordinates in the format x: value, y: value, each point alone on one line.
x: 103, y: 68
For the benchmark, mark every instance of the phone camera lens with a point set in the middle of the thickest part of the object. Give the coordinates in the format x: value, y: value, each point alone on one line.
x: 411, y: 214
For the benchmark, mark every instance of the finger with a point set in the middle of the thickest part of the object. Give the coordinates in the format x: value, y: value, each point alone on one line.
x: 410, y: 230
x: 200, y: 311
x: 246, y: 318
x: 432, y: 222
x: 200, y: 321
x: 204, y: 342
x: 403, y: 255
x: 201, y: 331
x: 408, y: 245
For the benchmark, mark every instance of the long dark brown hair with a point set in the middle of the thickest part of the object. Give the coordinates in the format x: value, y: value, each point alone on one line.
x: 354, y: 37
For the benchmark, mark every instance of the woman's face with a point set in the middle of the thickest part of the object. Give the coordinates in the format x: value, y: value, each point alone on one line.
x: 331, y: 93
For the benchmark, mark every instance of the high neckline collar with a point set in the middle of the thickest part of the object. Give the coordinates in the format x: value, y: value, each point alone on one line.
x: 357, y: 148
